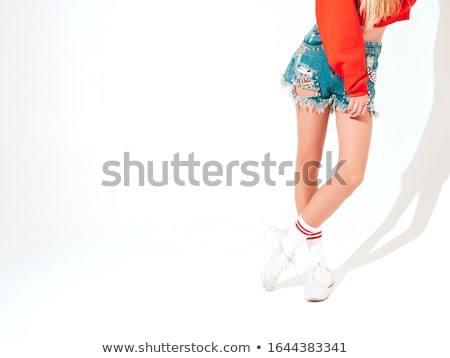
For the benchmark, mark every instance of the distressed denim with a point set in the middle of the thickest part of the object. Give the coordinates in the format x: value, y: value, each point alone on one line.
x: 309, y: 70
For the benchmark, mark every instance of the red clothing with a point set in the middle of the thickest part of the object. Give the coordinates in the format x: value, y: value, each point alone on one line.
x: 339, y: 25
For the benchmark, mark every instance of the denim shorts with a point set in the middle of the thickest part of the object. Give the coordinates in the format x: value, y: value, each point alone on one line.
x: 309, y: 70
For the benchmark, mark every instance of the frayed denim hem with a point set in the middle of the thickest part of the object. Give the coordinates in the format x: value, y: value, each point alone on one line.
x: 320, y: 104
x: 310, y: 103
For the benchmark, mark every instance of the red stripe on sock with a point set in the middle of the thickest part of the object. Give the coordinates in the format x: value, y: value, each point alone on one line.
x: 317, y: 236
x: 308, y: 231
x: 309, y: 234
x: 300, y: 228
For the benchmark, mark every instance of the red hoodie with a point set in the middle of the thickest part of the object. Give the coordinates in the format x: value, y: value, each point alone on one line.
x: 339, y: 25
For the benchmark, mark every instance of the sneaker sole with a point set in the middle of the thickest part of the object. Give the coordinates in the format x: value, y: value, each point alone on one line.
x: 319, y: 299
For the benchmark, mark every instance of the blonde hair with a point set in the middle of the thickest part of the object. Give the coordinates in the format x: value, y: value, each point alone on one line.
x: 375, y: 11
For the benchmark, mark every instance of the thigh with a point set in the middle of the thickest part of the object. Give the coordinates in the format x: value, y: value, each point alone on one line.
x: 354, y: 137
x: 311, y: 132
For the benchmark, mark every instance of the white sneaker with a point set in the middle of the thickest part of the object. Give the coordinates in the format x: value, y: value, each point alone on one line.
x: 317, y: 288
x: 276, y: 260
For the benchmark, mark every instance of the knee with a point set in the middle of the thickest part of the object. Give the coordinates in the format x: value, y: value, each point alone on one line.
x: 308, y: 171
x: 351, y: 177
x: 354, y: 180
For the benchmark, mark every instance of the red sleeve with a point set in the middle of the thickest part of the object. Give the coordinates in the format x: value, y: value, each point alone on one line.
x: 339, y: 27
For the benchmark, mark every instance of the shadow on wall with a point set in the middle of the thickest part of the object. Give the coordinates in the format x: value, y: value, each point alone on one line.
x: 429, y: 168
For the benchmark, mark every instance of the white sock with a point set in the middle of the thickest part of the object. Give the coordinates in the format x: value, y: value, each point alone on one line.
x: 316, y: 252
x: 297, y: 234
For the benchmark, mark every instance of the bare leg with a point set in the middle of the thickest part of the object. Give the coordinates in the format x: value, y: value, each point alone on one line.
x: 354, y: 142
x: 311, y: 131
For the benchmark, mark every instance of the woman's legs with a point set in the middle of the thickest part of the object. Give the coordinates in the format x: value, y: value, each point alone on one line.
x: 354, y: 141
x: 316, y: 205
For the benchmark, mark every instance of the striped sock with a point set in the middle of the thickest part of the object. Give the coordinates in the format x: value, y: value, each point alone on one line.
x: 309, y: 232
x: 297, y: 235
x: 313, y: 242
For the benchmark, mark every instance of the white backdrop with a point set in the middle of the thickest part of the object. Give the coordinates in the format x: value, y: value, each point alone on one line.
x: 82, y: 264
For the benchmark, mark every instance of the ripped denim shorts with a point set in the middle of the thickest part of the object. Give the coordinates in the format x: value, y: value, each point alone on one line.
x: 309, y: 70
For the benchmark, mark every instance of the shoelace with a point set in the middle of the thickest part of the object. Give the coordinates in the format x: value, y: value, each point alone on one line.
x: 318, y: 274
x: 291, y: 260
